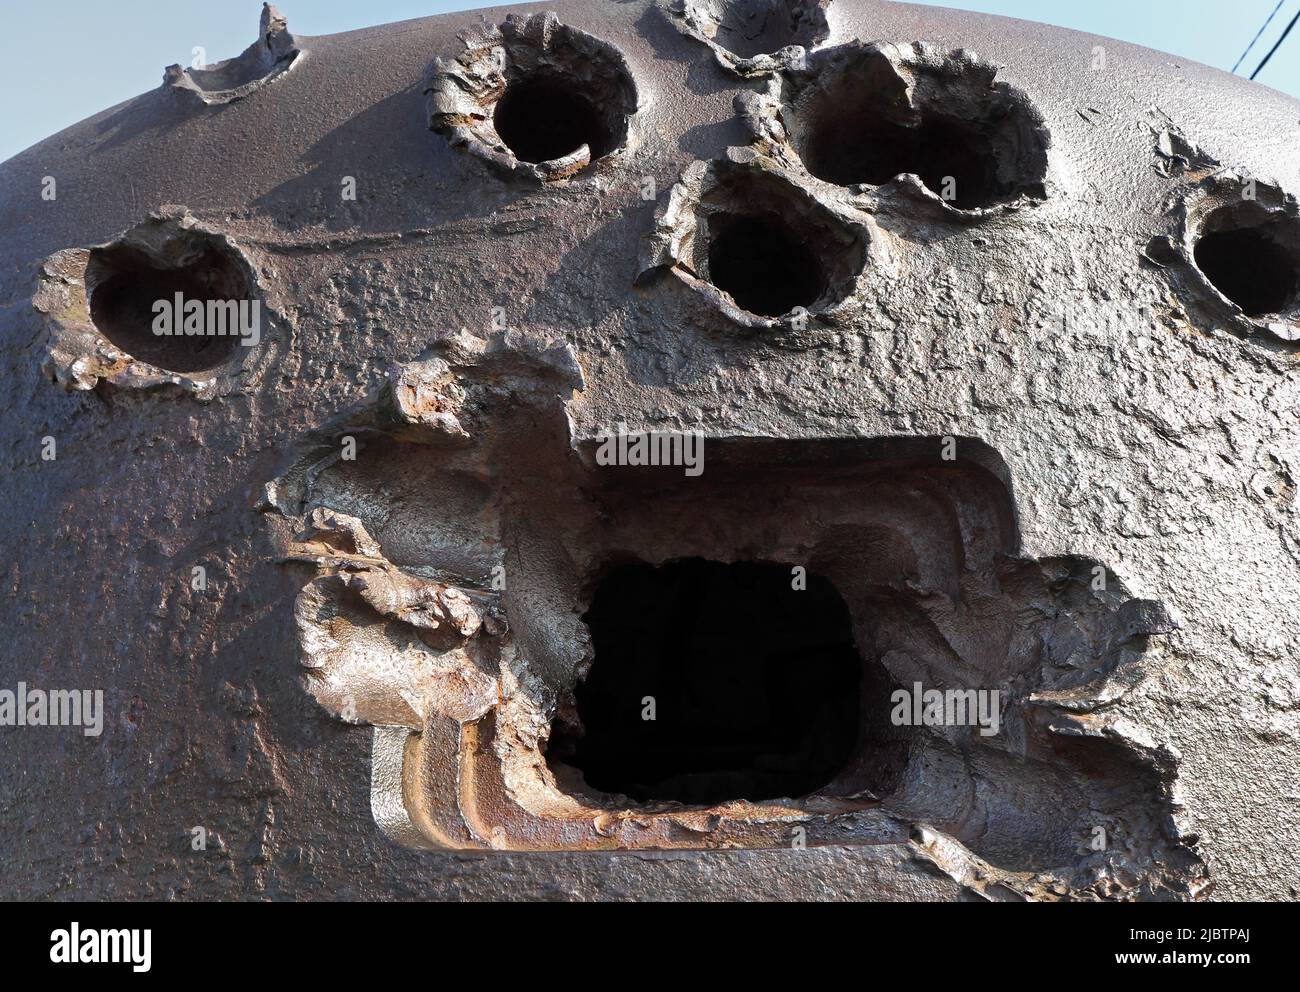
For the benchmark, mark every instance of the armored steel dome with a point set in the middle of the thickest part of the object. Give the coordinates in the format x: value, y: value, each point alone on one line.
x: 827, y: 448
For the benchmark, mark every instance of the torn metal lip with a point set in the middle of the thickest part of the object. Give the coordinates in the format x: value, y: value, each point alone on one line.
x: 704, y: 20
x: 274, y: 54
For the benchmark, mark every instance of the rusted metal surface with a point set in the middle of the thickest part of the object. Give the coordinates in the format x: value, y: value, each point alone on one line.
x: 1039, y: 431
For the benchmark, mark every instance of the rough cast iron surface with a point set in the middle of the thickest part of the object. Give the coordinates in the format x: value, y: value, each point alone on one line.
x: 1057, y: 326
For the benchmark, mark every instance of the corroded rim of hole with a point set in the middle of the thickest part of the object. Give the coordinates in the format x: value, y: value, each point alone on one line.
x: 1240, y: 241
x: 119, y: 283
x: 758, y: 247
x: 863, y: 117
x: 1251, y: 256
x: 129, y: 280
x: 534, y: 98
x: 753, y: 37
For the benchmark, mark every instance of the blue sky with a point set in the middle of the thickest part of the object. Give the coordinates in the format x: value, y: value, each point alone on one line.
x: 121, y: 46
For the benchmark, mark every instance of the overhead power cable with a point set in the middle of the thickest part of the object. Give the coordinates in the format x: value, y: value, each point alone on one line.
x: 1258, y: 34
x: 1289, y: 28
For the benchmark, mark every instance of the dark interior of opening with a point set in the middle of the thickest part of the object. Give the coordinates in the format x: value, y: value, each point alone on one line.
x: 763, y: 264
x: 1250, y: 268
x: 756, y: 685
x: 126, y: 283
x: 862, y: 149
x: 756, y: 27
x: 862, y: 124
x: 541, y: 118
